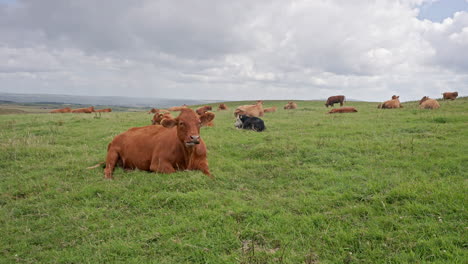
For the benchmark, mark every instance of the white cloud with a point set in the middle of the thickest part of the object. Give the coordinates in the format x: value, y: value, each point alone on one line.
x: 232, y: 50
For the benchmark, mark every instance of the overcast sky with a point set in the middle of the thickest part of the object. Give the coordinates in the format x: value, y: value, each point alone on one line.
x: 235, y: 50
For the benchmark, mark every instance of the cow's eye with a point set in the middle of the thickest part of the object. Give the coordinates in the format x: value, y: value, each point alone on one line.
x: 181, y: 124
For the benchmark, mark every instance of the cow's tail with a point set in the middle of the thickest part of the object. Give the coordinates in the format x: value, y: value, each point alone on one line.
x: 97, y: 165
x: 379, y: 106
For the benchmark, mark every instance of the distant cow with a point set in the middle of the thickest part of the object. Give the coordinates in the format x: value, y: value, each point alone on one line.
x: 449, y: 95
x: 394, y: 103
x: 248, y: 122
x: 427, y: 103
x: 87, y: 110
x: 222, y: 107
x: 158, y: 117
x: 105, y: 110
x: 203, y: 109
x: 63, y: 110
x: 250, y: 110
x: 343, y: 110
x: 175, y: 145
x: 270, y: 110
x: 153, y: 111
x: 334, y: 100
x: 290, y: 105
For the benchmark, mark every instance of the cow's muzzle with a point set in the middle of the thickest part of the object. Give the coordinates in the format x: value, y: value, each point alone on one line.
x: 194, y: 140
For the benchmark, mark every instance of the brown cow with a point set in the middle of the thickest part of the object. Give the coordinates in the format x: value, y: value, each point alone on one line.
x: 290, y: 105
x: 270, y: 110
x: 343, y: 110
x: 255, y: 110
x: 177, y: 108
x: 105, y: 110
x: 153, y: 111
x: 394, y: 103
x: 158, y: 117
x: 175, y: 145
x: 334, y: 100
x: 87, y: 110
x: 222, y: 107
x: 427, y: 103
x: 203, y: 109
x: 449, y: 95
x: 63, y: 110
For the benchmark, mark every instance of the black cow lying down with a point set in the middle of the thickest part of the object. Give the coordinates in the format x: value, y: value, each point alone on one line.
x: 248, y: 122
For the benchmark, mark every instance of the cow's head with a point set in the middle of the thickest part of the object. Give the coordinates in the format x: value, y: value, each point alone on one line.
x: 423, y: 99
x: 395, y: 97
x: 455, y: 93
x: 188, y: 125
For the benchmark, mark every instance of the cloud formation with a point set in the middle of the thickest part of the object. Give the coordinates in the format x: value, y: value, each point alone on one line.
x: 231, y: 50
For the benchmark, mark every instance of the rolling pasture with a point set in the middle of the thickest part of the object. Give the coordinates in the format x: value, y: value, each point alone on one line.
x: 377, y: 186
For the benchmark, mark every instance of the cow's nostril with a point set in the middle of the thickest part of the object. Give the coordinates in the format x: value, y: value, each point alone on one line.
x: 194, y: 137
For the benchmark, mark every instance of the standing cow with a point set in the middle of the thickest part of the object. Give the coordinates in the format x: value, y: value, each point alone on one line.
x: 449, y: 95
x: 334, y: 100
x: 175, y: 145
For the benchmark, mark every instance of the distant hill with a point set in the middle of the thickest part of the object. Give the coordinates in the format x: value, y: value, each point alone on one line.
x: 98, y: 100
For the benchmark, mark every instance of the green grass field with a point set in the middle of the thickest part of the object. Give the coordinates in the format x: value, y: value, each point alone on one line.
x: 377, y: 186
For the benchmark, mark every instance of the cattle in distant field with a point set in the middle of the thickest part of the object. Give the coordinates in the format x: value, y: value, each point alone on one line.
x: 343, y: 110
x: 60, y: 111
x: 394, y: 103
x: 428, y: 103
x: 250, y: 110
x: 222, y: 107
x: 153, y: 111
x: 450, y: 95
x: 105, y: 110
x: 270, y: 109
x: 290, y: 105
x: 174, y: 145
x: 158, y: 117
x: 87, y: 110
x: 203, y: 109
x: 249, y: 122
x: 335, y: 100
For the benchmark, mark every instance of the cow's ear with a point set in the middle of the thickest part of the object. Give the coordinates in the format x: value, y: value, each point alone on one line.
x: 206, y: 118
x: 168, y: 122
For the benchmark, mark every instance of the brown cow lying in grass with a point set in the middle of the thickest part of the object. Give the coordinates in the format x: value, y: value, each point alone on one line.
x: 177, y: 108
x: 203, y: 109
x: 394, y: 103
x: 427, y: 103
x: 450, y: 95
x: 87, y: 110
x: 290, y: 105
x: 255, y: 110
x: 63, y: 110
x: 175, y: 145
x: 343, y: 110
x: 222, y: 107
x: 158, y: 117
x: 105, y: 110
x: 270, y: 110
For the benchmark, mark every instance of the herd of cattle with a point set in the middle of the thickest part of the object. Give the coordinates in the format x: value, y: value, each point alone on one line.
x: 87, y: 110
x: 172, y: 144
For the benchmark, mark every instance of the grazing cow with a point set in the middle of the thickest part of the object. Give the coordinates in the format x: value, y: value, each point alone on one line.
x: 158, y: 117
x: 270, y: 110
x: 105, y: 110
x: 427, y: 103
x: 63, y: 110
x: 87, y: 110
x: 248, y: 122
x: 343, y: 110
x: 175, y: 145
x: 250, y: 110
x: 394, y: 103
x: 449, y: 95
x: 203, y: 109
x: 334, y: 100
x: 222, y: 107
x: 290, y: 105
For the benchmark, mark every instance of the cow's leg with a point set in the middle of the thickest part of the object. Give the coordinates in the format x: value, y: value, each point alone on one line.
x: 111, y: 161
x: 161, y: 166
x: 201, y: 165
x: 341, y: 103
